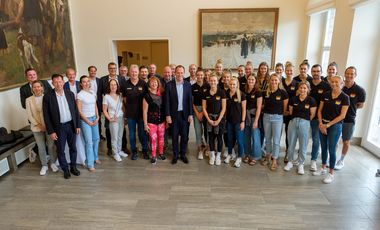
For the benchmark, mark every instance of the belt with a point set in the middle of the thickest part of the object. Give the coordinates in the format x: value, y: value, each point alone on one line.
x: 66, y: 123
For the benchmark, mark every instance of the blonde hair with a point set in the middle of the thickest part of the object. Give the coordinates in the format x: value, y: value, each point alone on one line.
x: 268, y: 91
x: 288, y: 64
x: 307, y: 86
x: 238, y: 94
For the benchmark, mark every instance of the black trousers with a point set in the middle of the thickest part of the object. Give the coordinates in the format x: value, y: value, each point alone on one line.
x: 180, y: 127
x: 67, y: 134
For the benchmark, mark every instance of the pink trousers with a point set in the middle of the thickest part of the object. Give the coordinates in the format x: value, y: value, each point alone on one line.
x: 157, y: 135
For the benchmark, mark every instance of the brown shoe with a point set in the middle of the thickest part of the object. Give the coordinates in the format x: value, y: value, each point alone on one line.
x: 273, y: 167
x: 246, y: 159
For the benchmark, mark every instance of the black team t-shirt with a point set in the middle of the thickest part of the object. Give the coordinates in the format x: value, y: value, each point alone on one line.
x: 134, y: 95
x: 234, y: 107
x: 333, y: 107
x: 274, y: 102
x: 214, y: 102
x: 301, y: 109
x: 357, y: 95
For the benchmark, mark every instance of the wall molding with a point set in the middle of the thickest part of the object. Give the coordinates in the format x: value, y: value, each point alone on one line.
x: 318, y: 6
x: 358, y: 3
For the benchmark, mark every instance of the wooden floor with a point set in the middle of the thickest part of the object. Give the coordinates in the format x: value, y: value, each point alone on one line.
x: 138, y: 195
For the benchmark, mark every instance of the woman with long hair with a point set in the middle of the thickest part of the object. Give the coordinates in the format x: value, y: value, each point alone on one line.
x: 275, y: 107
x: 302, y: 109
x: 113, y: 111
x: 331, y: 112
x: 236, y: 113
x: 89, y: 118
x: 214, y: 108
x: 37, y: 125
x: 154, y: 117
x: 252, y: 146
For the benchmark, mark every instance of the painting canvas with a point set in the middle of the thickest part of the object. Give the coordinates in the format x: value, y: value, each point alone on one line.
x: 34, y: 34
x: 237, y: 35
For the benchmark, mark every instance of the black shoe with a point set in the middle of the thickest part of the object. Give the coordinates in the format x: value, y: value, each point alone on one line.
x: 146, y: 156
x: 174, y: 161
x: 66, y: 174
x: 134, y: 156
x: 102, y: 138
x: 74, y: 171
x: 185, y: 160
x: 153, y: 160
x: 162, y: 157
x: 109, y: 153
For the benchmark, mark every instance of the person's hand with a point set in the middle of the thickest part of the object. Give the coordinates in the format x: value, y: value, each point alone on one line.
x: 200, y: 117
x: 41, y: 127
x: 255, y: 125
x: 242, y: 125
x: 78, y: 131
x: 96, y: 121
x: 216, y: 123
x: 323, y: 129
x: 146, y: 128
x: 54, y: 136
x: 169, y: 119
x: 190, y: 119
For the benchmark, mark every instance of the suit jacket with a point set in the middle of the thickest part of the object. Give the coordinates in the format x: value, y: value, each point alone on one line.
x: 171, y: 99
x: 35, y: 113
x: 51, y: 111
x: 26, y: 91
x: 67, y: 86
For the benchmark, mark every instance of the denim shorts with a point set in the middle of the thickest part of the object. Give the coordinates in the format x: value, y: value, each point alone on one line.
x: 347, y: 131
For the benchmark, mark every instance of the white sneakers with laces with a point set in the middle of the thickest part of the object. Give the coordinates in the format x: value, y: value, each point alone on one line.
x: 288, y: 166
x: 339, y: 165
x: 328, y: 179
x: 44, y: 170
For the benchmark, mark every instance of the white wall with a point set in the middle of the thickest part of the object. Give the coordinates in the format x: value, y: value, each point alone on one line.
x: 95, y: 23
x: 315, y: 37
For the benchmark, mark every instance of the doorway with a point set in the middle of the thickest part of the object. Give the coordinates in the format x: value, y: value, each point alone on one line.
x: 143, y: 52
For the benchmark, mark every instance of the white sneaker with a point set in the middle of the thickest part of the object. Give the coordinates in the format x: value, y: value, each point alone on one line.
x: 288, y: 166
x: 218, y: 161
x: 44, y: 170
x: 123, y: 154
x: 212, y: 158
x: 301, y: 170
x: 225, y: 153
x: 32, y: 155
x: 227, y: 160
x: 200, y: 155
x: 237, y: 162
x: 53, y: 167
x: 321, y: 172
x: 339, y: 165
x: 233, y: 155
x: 313, y: 166
x: 117, y: 157
x: 328, y: 179
x: 296, y: 162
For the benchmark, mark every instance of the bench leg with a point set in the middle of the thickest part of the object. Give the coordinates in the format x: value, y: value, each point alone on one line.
x: 12, y: 162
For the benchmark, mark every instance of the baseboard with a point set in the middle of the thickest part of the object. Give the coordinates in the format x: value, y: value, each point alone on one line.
x: 356, y: 141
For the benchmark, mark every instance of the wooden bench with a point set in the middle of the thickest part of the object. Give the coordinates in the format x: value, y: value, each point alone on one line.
x: 8, y: 151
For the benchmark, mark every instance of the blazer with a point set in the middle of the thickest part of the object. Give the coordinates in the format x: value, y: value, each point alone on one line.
x: 171, y: 99
x: 51, y: 111
x: 67, y: 86
x: 35, y: 113
x: 26, y: 91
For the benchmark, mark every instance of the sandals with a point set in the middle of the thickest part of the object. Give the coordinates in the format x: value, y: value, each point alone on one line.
x: 246, y: 159
x: 273, y: 167
x: 252, y: 162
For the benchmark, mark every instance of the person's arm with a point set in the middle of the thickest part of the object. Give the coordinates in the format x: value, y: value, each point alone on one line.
x: 96, y: 114
x: 30, y: 113
x: 105, y: 110
x: 337, y: 119
x: 47, y: 119
x: 322, y: 127
x: 290, y: 110
x: 22, y: 97
x: 145, y: 115
x: 285, y: 107
x: 197, y: 114
x: 167, y: 104
x: 222, y: 112
x: 190, y: 119
x: 259, y: 105
x: 205, y: 113
x: 359, y: 105
x: 243, y: 114
x: 82, y: 116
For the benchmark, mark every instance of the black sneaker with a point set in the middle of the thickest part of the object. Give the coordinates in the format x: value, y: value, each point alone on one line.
x: 162, y: 157
x: 146, y: 156
x: 153, y: 160
x: 134, y: 156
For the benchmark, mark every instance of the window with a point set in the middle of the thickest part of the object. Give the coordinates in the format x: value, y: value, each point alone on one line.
x: 330, y: 16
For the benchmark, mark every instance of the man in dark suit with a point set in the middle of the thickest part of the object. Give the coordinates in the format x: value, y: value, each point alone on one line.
x: 103, y: 86
x: 179, y: 112
x: 62, y: 123
x: 94, y: 86
x: 25, y: 92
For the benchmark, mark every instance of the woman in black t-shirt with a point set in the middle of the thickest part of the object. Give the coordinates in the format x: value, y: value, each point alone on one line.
x: 214, y: 108
x: 236, y: 111
x: 252, y: 132
x: 275, y: 106
x: 302, y: 109
x: 198, y: 89
x: 154, y: 117
x: 332, y: 110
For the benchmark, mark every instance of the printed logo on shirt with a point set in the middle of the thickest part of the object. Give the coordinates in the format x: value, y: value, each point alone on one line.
x: 320, y: 90
x: 295, y: 104
x: 338, y: 102
x: 252, y: 96
x: 217, y: 98
x: 236, y: 100
x: 140, y: 88
x: 129, y: 88
x: 352, y: 95
x: 204, y: 90
x: 307, y: 106
x: 208, y: 97
x: 195, y: 90
x: 292, y: 88
x: 278, y: 98
x: 326, y: 99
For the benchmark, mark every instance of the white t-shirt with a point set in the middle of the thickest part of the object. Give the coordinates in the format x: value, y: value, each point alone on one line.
x: 113, y: 105
x: 88, y: 103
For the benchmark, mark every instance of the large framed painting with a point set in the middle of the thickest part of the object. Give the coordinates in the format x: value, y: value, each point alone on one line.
x: 34, y: 34
x: 236, y: 36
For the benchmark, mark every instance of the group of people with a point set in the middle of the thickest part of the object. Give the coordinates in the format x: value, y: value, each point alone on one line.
x: 247, y: 112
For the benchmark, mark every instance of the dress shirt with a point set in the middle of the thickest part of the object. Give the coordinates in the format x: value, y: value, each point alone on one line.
x: 64, y: 110
x: 179, y: 86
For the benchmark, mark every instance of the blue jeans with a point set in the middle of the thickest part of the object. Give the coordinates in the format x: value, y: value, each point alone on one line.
x: 329, y: 143
x: 273, y: 129
x: 252, y: 144
x: 298, y: 129
x: 315, y: 137
x: 235, y: 135
x: 91, y: 141
x: 116, y: 130
x: 143, y: 138
x: 198, y: 127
